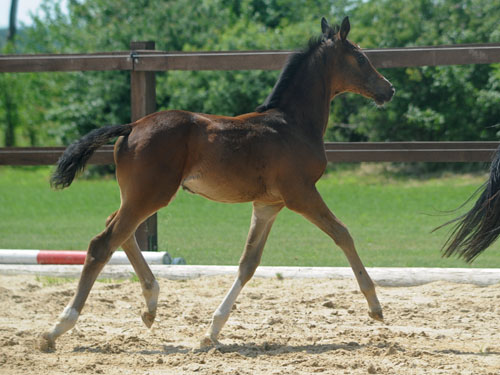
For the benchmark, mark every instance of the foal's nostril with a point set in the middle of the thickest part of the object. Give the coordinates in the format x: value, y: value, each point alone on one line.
x: 393, y: 90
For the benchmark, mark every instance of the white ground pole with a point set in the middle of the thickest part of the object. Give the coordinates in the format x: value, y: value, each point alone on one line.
x: 383, y: 276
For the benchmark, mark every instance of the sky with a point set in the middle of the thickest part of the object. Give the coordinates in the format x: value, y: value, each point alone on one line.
x: 24, y: 8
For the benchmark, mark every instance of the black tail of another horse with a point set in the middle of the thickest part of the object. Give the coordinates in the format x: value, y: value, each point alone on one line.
x: 76, y: 156
x: 476, y: 230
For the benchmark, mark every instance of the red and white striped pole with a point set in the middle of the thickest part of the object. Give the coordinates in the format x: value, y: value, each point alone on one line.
x: 17, y: 256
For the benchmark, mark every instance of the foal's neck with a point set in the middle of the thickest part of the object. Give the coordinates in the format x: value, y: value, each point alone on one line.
x: 307, y: 102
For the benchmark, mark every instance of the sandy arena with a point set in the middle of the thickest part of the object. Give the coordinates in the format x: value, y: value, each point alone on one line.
x: 290, y: 326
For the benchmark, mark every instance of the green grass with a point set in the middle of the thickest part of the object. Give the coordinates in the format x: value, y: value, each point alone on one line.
x: 390, y: 218
x: 54, y: 281
x: 51, y: 280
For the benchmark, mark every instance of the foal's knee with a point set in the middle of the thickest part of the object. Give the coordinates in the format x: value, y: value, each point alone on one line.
x: 247, y: 268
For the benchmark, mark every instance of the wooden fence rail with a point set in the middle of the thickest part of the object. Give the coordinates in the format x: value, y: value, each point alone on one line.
x: 146, y: 60
x: 335, y: 151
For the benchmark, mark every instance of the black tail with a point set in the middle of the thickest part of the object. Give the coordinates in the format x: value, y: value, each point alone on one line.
x: 78, y: 153
x: 476, y: 230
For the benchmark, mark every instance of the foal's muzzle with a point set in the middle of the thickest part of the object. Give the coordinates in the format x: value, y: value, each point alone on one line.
x: 385, y: 96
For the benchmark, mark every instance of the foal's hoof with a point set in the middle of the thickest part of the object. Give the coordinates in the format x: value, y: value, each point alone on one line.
x: 148, y: 318
x: 46, y: 343
x: 207, y: 342
x: 377, y: 315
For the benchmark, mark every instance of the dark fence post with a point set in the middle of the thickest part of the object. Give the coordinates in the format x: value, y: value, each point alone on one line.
x: 143, y: 102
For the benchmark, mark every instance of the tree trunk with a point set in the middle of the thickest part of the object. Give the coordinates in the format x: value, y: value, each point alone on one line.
x: 12, y: 20
x: 11, y: 118
x: 11, y: 108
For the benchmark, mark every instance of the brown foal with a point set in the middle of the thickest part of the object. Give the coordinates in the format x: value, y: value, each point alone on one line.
x: 271, y: 157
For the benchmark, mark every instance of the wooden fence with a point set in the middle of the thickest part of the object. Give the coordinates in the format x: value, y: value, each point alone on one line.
x: 143, y: 61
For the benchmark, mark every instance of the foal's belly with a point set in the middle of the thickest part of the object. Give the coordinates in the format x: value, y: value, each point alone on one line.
x: 226, y: 188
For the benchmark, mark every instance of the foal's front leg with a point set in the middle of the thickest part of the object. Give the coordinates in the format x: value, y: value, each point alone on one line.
x: 311, y: 206
x: 263, y: 217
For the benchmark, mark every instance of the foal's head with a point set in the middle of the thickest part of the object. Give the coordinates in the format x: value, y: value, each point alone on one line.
x: 354, y: 72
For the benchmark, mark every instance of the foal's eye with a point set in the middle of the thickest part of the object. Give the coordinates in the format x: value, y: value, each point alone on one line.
x: 360, y: 59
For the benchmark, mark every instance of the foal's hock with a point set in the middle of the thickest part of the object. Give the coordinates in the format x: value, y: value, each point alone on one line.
x: 271, y: 157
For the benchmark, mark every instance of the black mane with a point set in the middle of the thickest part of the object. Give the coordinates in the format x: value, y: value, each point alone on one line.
x: 288, y: 73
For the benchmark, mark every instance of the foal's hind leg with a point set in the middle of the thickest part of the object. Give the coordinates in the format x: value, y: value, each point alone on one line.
x: 311, y: 205
x: 150, y: 287
x: 101, y: 247
x: 263, y: 217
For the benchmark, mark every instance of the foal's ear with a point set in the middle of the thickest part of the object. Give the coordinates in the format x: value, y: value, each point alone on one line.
x: 325, y: 27
x: 327, y: 30
x: 344, y: 28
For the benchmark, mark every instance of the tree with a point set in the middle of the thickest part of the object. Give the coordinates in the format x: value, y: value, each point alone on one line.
x: 431, y: 103
x: 92, y: 99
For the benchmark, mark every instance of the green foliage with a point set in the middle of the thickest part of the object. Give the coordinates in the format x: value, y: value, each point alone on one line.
x: 25, y: 101
x: 431, y: 103
x: 3, y: 37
